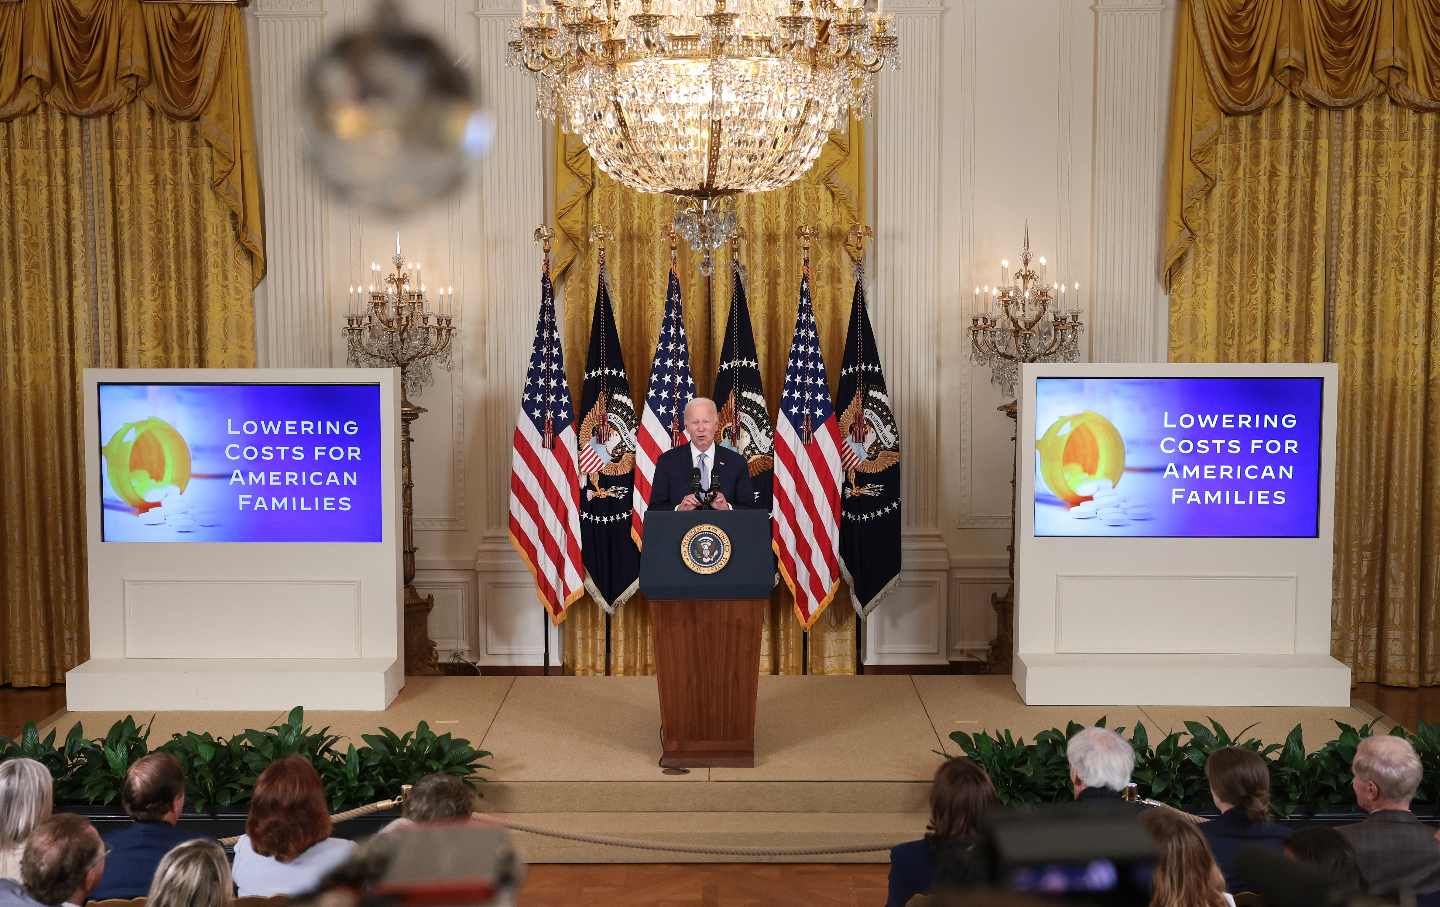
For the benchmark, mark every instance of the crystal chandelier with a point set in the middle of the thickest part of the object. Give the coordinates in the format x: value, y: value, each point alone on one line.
x: 1020, y: 320
x: 703, y: 99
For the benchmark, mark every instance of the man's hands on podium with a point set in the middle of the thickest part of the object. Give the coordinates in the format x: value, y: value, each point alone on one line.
x: 691, y: 502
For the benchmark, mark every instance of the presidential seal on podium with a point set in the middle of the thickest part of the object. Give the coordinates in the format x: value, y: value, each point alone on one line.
x: 705, y: 549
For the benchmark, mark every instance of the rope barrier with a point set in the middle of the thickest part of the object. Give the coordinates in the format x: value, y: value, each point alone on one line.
x: 633, y: 844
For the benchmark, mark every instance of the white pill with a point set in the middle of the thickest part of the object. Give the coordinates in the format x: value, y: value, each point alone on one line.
x: 206, y: 517
x: 1082, y: 514
x: 152, y: 517
x: 1116, y: 521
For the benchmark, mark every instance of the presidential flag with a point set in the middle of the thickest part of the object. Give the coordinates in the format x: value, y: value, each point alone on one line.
x: 806, y: 515
x: 662, y: 425
x: 745, y: 425
x: 870, y: 456
x: 544, y: 487
x: 607, y: 463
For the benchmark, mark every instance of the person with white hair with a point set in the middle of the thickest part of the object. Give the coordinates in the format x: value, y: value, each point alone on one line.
x: 26, y: 794
x: 702, y: 473
x: 1100, y: 764
x: 1397, y: 852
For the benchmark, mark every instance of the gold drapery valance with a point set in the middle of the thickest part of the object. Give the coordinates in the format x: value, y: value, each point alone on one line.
x: 187, y: 61
x: 1236, y: 57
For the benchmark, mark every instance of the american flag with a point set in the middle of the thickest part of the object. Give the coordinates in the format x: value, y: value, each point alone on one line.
x: 807, y: 473
x: 662, y: 425
x: 544, y: 484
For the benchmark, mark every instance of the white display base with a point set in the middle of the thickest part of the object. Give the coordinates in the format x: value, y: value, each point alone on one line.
x: 243, y: 626
x: 232, y: 684
x: 1208, y: 680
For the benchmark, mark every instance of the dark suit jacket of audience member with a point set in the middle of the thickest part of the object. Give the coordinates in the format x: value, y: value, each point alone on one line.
x: 135, y: 851
x: 912, y: 869
x: 1396, y: 852
x: 729, y: 472
x: 1094, y: 795
x: 1233, y: 832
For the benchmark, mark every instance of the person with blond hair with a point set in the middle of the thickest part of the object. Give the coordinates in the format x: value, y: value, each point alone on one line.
x: 194, y: 874
x: 1397, y: 852
x: 1186, y: 874
x: 26, y: 799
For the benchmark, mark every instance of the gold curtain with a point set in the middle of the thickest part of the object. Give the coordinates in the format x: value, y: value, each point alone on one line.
x: 1315, y: 235
x: 1237, y: 57
x: 130, y: 235
x: 831, y: 199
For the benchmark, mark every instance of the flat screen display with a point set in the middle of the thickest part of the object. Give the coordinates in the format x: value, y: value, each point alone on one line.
x: 240, y: 463
x: 1178, y: 457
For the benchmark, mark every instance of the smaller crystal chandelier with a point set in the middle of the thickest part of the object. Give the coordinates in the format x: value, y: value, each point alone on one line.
x: 1020, y: 320
x: 390, y: 324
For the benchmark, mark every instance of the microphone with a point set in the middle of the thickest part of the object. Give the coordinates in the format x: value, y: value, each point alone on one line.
x: 703, y: 495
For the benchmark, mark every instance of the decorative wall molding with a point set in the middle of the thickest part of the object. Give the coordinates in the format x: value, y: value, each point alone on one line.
x: 1133, y: 52
x: 513, y: 623
x: 453, y: 623
x: 291, y: 324
x: 511, y: 183
x: 907, y: 291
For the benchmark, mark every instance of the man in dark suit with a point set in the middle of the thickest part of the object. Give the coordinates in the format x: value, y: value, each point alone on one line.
x: 722, y: 470
x: 1397, y: 852
x: 154, y: 796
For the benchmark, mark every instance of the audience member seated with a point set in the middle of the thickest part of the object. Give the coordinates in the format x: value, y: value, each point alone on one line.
x: 960, y: 794
x: 1397, y: 852
x: 194, y: 874
x: 437, y: 797
x: 1327, y: 851
x: 287, y: 848
x: 25, y: 801
x: 1240, y: 786
x: 64, y: 859
x: 154, y: 796
x: 1100, y: 765
x: 1185, y: 871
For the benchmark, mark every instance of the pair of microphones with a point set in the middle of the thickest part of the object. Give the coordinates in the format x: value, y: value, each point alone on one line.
x: 706, y: 496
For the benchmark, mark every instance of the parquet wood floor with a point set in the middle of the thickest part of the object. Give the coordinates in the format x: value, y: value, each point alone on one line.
x: 30, y: 704
x: 705, y: 885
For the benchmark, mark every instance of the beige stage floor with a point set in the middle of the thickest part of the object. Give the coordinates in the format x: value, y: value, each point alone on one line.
x: 839, y: 760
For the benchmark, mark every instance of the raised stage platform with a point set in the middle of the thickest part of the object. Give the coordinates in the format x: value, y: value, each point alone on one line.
x: 839, y: 760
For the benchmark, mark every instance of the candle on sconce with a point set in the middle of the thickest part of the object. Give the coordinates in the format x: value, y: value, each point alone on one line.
x: 1004, y: 271
x: 1042, y: 268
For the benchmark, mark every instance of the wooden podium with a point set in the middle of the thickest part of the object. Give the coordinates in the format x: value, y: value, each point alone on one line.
x: 708, y: 576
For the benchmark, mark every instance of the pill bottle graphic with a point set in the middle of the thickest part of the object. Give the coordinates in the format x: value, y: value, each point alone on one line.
x: 144, y: 459
x: 1080, y: 454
